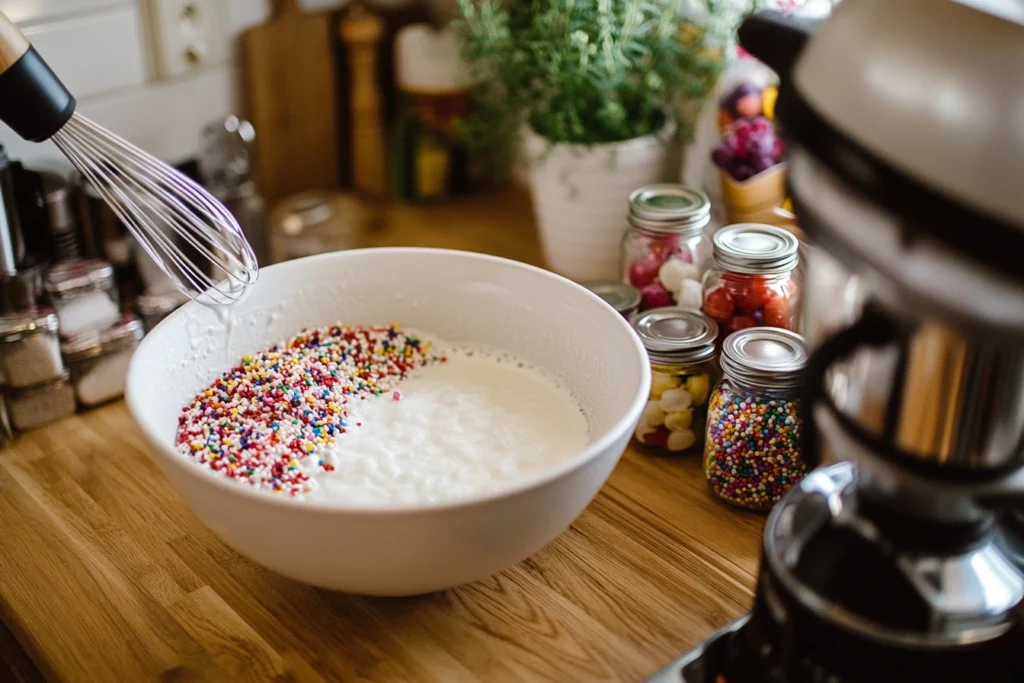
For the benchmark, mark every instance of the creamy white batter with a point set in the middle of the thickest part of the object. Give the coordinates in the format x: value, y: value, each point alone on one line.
x: 477, y: 423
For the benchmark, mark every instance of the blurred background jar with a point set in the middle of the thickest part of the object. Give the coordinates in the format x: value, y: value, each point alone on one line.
x: 622, y: 297
x: 84, y: 295
x: 752, y: 453
x: 316, y: 222
x: 98, y: 361
x: 751, y: 282
x: 681, y: 347
x: 665, y: 250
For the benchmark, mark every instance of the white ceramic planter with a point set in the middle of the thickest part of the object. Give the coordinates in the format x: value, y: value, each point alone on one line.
x: 580, y: 198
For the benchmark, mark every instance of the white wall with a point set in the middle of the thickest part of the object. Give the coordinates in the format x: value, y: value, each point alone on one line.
x: 101, y: 51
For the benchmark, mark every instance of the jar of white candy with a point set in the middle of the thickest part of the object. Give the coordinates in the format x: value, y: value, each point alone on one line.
x: 681, y: 347
x: 29, y: 348
x: 99, y: 361
x: 40, y: 404
x: 665, y: 250
x: 84, y: 295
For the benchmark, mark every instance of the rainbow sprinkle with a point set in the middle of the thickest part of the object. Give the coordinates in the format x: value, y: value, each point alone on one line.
x: 752, y: 450
x: 265, y: 421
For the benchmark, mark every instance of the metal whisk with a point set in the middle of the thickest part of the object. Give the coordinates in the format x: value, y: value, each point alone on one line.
x: 165, y: 211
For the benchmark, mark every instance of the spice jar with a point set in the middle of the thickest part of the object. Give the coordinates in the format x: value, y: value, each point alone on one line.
x: 622, y: 297
x: 680, y: 345
x: 752, y: 446
x: 40, y: 404
x: 152, y: 308
x: 29, y: 348
x: 751, y: 282
x: 665, y: 250
x: 99, y: 361
x: 84, y: 295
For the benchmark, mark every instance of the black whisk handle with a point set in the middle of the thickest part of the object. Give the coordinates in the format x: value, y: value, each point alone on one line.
x: 33, y: 101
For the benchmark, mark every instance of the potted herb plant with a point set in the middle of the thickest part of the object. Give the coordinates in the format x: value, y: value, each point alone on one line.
x: 599, y: 89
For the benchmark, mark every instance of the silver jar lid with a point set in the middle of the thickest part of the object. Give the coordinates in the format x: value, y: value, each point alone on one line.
x: 767, y: 357
x: 59, y: 382
x: 125, y: 334
x: 71, y: 277
x: 622, y: 297
x: 676, y: 335
x: 756, y: 249
x: 665, y: 207
x: 15, y: 326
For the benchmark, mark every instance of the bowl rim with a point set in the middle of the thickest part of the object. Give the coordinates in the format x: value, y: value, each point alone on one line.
x: 590, y: 452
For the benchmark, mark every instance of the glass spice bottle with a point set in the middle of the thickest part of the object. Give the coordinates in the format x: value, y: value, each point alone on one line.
x: 681, y: 348
x: 29, y: 348
x: 665, y: 250
x: 751, y: 281
x: 752, y: 446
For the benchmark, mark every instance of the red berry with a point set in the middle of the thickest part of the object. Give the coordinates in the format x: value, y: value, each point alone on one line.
x: 719, y: 305
x: 741, y: 322
x: 753, y: 297
x: 643, y: 272
x: 776, y: 313
x: 659, y: 438
x: 655, y: 295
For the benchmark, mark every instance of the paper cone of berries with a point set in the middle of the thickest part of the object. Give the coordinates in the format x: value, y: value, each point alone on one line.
x: 755, y: 199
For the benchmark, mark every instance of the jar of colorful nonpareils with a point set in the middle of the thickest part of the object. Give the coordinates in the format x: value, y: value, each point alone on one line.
x: 751, y: 282
x: 681, y: 347
x: 752, y: 444
x: 665, y: 251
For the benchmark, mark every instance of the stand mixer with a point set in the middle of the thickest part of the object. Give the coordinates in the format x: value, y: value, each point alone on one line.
x: 904, y: 124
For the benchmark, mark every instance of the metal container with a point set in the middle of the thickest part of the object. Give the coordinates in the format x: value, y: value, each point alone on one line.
x: 152, y: 308
x: 84, y: 295
x: 66, y: 241
x: 681, y: 347
x: 622, y: 297
x: 752, y: 450
x: 41, y: 404
x: 29, y: 348
x: 665, y: 250
x: 98, y: 361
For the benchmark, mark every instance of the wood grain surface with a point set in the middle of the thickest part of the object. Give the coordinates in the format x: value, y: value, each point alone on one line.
x: 290, y: 83
x: 106, y: 576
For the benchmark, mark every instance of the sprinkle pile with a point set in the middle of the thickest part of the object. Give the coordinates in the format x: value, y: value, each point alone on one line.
x: 751, y: 453
x: 265, y: 421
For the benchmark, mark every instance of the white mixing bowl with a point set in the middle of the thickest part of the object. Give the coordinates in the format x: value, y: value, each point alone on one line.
x: 459, y: 296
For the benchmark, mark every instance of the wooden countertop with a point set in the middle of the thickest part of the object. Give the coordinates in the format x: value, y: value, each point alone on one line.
x: 106, y: 576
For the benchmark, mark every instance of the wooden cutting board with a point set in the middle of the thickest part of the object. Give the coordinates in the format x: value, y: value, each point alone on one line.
x: 290, y: 85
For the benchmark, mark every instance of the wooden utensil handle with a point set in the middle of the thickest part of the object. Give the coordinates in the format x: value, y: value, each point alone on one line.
x: 13, y: 43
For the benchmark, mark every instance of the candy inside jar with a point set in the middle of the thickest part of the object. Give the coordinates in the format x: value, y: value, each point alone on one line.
x: 664, y: 251
x: 681, y: 347
x: 752, y: 453
x: 752, y: 283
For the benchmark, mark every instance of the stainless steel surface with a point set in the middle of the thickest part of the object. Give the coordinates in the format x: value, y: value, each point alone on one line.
x: 8, y: 209
x: 696, y: 666
x: 753, y: 248
x: 622, y: 297
x: 764, y: 356
x: 971, y: 595
x: 673, y: 334
x: 665, y: 207
x: 17, y: 325
x: 157, y: 203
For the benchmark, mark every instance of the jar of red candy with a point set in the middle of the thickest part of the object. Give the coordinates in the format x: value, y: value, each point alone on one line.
x: 681, y: 348
x: 752, y: 453
x: 665, y: 252
x: 751, y: 282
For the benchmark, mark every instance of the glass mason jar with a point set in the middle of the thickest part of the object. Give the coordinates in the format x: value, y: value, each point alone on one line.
x: 751, y: 282
x: 752, y: 446
x: 681, y: 347
x: 665, y: 250
x: 84, y: 295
